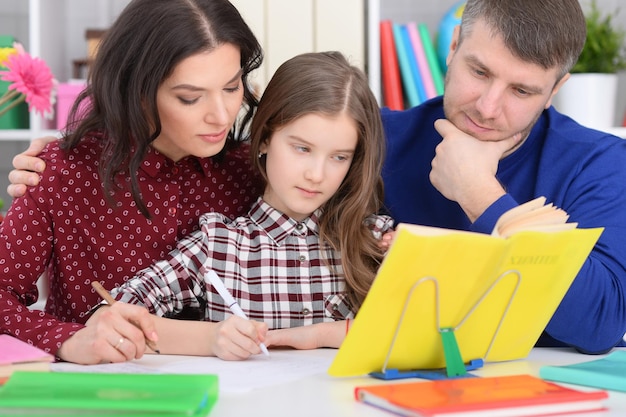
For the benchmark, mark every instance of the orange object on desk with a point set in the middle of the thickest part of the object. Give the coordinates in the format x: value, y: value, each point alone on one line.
x: 513, y: 395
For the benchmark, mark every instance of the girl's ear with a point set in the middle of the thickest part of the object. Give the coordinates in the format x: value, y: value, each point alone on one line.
x: 263, y: 147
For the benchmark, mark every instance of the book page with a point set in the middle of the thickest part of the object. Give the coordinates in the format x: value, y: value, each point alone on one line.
x: 533, y: 215
x: 519, y: 210
x: 543, y: 217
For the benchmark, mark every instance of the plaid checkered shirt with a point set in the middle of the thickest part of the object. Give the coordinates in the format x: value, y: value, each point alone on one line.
x: 272, y: 264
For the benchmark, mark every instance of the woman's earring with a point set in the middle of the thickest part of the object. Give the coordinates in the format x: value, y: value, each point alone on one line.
x: 261, y: 154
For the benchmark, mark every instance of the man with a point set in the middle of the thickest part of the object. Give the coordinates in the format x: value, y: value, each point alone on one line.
x: 501, y: 144
x: 494, y: 141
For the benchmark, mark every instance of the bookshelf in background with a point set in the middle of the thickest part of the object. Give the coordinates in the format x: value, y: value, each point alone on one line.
x: 409, y: 66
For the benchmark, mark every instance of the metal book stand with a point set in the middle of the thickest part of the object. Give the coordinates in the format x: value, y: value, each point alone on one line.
x: 455, y: 367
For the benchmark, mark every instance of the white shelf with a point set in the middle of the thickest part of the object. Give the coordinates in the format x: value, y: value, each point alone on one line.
x: 373, y: 48
x: 15, y: 134
x: 8, y: 135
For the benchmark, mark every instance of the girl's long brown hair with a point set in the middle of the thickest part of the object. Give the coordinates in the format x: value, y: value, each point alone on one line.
x: 327, y: 84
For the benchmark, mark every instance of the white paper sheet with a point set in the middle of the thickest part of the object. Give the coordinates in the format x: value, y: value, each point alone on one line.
x: 283, y: 366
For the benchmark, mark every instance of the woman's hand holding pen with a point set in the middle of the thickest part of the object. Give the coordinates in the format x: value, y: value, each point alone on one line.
x: 114, y: 333
x: 237, y: 338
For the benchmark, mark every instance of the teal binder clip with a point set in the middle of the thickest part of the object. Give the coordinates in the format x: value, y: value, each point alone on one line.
x: 455, y: 367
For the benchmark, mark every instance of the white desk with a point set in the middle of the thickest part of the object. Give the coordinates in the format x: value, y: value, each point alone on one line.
x: 295, y: 383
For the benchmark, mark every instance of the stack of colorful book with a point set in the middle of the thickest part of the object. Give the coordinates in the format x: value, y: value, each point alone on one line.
x: 411, y: 73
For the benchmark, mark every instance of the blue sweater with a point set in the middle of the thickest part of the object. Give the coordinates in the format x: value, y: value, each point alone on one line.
x: 580, y: 170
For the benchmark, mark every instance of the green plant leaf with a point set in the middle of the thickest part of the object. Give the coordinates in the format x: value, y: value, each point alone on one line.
x: 605, y: 46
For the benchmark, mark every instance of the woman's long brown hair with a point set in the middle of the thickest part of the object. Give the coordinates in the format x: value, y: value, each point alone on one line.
x: 141, y: 49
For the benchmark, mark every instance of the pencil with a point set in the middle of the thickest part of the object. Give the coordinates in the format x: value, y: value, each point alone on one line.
x: 110, y: 300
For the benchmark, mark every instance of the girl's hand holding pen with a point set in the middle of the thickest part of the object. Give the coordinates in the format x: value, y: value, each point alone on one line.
x: 219, y: 286
x: 237, y: 338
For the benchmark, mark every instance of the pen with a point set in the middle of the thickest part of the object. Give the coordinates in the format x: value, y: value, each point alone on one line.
x: 218, y: 284
x: 107, y: 297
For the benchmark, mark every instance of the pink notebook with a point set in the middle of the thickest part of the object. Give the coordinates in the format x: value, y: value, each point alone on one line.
x: 17, y: 355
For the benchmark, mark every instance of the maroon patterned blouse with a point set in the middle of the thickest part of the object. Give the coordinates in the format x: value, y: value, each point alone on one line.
x: 67, y: 227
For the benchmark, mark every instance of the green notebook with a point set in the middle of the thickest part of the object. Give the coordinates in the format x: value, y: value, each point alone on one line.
x: 607, y: 373
x: 92, y: 394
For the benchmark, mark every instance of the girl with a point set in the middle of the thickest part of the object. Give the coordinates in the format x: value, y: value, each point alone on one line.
x: 306, y: 254
x: 157, y: 148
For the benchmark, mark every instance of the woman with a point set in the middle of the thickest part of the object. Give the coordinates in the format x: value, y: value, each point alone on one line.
x: 157, y: 147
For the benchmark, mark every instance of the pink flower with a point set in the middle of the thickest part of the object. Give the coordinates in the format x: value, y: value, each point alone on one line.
x: 31, y: 78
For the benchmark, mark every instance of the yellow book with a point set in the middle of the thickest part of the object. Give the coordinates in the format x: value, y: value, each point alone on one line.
x: 496, y: 292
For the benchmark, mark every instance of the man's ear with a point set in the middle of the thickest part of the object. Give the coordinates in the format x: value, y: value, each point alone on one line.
x: 556, y: 88
x: 454, y: 43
